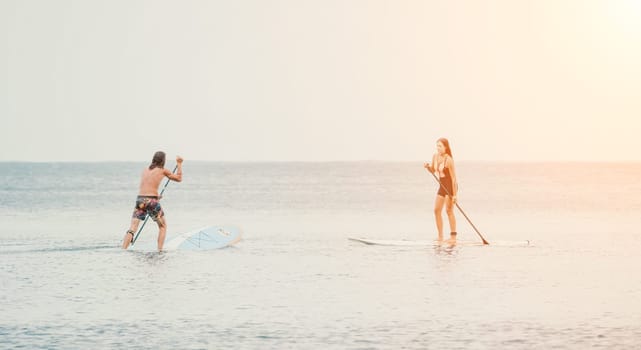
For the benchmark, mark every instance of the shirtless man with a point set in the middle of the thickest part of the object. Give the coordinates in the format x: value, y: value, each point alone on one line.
x: 148, y: 201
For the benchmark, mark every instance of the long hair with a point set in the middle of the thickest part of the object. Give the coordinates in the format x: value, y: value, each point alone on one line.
x: 158, y: 161
x: 446, y: 143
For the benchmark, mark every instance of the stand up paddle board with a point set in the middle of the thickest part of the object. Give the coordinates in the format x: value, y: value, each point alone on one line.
x: 428, y: 243
x: 206, y: 238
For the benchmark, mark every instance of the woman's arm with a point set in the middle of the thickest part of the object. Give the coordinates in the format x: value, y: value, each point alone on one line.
x: 454, y: 182
x: 430, y: 167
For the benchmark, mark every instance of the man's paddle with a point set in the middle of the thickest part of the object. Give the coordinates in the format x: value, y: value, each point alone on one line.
x: 459, y: 208
x: 147, y: 218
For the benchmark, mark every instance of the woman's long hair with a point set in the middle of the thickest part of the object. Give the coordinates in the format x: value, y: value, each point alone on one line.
x: 158, y: 161
x: 446, y: 143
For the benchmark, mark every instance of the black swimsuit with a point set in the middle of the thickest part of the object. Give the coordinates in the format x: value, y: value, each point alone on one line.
x: 446, y: 183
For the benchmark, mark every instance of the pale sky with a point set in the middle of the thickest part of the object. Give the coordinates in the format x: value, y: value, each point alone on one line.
x: 298, y: 80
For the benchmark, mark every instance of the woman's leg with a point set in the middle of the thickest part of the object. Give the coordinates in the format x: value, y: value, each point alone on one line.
x: 449, y: 208
x: 438, y: 208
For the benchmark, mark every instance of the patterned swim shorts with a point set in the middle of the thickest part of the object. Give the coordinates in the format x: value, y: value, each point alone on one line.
x: 147, y: 205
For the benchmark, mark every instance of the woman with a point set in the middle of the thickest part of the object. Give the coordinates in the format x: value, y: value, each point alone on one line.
x: 443, y: 167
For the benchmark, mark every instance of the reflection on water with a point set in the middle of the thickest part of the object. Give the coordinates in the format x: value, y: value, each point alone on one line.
x: 447, y: 247
x: 150, y: 258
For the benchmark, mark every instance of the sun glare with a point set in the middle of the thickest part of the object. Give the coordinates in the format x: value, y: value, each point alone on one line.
x: 626, y: 14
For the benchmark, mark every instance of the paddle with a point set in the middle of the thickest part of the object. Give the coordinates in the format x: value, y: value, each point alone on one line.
x: 459, y: 208
x: 147, y: 218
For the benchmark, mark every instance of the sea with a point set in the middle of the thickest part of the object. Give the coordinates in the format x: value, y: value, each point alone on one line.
x: 296, y: 281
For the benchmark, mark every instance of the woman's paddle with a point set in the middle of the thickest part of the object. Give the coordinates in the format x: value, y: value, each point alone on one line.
x: 459, y: 208
x: 147, y: 218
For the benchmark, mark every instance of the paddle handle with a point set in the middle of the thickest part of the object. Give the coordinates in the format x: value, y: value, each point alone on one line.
x: 460, y: 209
x: 147, y: 218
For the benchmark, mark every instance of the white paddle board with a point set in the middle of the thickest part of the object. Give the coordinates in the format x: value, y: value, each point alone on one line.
x: 205, y: 238
x: 432, y: 243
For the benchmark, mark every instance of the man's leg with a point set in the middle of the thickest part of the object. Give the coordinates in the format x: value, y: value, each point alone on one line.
x: 133, y: 228
x: 162, y: 231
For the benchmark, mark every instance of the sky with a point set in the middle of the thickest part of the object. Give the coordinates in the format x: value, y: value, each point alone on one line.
x: 327, y: 80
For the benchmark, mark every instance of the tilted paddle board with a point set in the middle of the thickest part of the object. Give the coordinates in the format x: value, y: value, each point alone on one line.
x: 206, y: 238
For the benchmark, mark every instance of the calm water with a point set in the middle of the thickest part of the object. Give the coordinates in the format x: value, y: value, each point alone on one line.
x: 295, y: 281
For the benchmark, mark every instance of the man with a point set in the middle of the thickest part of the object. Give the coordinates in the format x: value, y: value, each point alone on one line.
x: 148, y: 201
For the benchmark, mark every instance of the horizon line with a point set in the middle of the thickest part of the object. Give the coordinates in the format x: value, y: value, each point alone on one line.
x: 328, y: 161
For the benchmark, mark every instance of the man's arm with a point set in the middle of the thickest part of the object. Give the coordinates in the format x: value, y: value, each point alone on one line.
x: 178, y: 176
